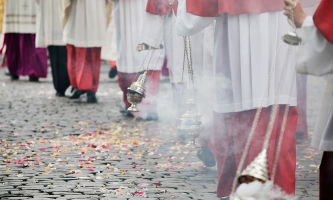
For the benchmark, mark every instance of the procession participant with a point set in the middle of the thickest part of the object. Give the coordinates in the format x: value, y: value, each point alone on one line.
x: 162, y: 15
x: 21, y: 56
x: 109, y: 50
x: 128, y: 16
x: 247, y: 38
x: 316, y: 59
x: 84, y: 31
x: 49, y: 34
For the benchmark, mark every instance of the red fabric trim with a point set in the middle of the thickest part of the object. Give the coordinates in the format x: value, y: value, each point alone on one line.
x: 161, y: 7
x: 323, y: 19
x: 158, y: 7
x: 213, y: 8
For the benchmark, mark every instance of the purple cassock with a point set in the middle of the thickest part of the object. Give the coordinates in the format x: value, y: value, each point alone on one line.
x: 23, y: 58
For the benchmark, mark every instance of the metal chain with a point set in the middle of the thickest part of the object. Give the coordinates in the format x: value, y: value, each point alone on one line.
x: 184, y: 59
x: 191, y: 66
x: 276, y: 106
x: 285, y: 116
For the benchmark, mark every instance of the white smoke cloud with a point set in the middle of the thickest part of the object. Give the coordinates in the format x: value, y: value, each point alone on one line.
x: 261, y: 191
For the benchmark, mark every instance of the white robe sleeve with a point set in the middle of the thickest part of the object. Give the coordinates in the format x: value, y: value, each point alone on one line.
x: 188, y: 24
x: 152, y: 32
x: 316, y: 53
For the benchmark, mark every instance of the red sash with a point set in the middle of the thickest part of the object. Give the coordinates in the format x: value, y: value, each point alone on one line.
x: 213, y: 8
x: 161, y: 7
x: 323, y: 19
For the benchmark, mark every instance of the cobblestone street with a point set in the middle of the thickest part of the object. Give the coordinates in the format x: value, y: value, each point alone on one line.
x: 56, y: 148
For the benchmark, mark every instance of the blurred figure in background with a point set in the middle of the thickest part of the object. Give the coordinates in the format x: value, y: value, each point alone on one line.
x: 109, y: 50
x: 21, y: 56
x: 84, y: 31
x: 49, y: 34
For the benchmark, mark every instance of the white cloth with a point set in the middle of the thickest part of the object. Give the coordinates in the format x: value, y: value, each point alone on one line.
x: 20, y: 16
x: 163, y: 32
x: 317, y: 59
x: 244, y: 52
x: 202, y: 52
x: 316, y: 53
x: 129, y: 18
x: 109, y: 50
x: 86, y: 23
x: 49, y: 31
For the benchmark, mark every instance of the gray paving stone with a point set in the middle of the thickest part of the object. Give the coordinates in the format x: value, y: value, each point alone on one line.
x: 47, y: 120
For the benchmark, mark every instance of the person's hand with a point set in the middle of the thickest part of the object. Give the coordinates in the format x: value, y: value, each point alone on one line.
x: 298, y: 12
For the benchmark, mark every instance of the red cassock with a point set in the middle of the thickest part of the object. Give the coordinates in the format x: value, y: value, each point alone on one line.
x: 323, y: 19
x: 84, y: 67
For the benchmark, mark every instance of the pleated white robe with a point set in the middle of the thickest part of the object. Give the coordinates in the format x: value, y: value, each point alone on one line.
x: 20, y: 16
x: 245, y: 48
x: 201, y: 47
x: 49, y: 31
x: 129, y: 18
x: 92, y: 33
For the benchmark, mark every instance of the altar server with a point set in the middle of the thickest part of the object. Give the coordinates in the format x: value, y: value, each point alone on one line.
x: 21, y: 56
x: 247, y: 39
x: 49, y: 34
x: 316, y: 59
x: 129, y: 17
x: 200, y: 50
x: 84, y: 31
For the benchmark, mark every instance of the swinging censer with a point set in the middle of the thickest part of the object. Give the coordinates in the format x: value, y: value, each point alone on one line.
x: 190, y: 125
x: 136, y: 92
x: 257, y: 170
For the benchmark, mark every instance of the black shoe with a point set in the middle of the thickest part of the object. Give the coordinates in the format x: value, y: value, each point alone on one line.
x: 207, y: 157
x: 113, y: 72
x: 126, y: 113
x: 91, y: 97
x: 14, y: 77
x: 60, y: 94
x: 76, y: 94
x: 33, y: 79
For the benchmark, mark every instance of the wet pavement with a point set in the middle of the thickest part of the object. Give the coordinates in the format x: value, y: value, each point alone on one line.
x: 56, y: 148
